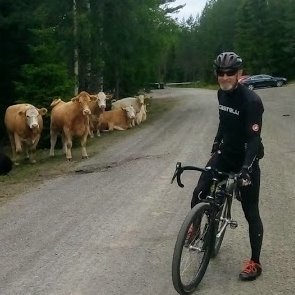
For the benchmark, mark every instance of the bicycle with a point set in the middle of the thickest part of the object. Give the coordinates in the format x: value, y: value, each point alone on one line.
x: 209, y: 219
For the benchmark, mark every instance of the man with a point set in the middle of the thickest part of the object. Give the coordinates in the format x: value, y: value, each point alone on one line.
x: 237, y: 147
x: 5, y: 164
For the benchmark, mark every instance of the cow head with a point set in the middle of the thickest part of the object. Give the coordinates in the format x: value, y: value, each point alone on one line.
x: 31, y: 114
x: 101, y: 100
x: 83, y: 98
x: 129, y: 111
x: 140, y: 99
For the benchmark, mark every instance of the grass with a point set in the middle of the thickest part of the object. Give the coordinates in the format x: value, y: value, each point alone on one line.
x: 26, y: 175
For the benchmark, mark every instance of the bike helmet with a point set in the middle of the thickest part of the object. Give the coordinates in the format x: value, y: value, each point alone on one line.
x: 227, y: 61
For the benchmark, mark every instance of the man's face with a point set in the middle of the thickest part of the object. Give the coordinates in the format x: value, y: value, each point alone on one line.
x: 228, y: 80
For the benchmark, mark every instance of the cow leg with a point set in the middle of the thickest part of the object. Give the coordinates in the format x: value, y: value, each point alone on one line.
x: 97, y: 126
x: 68, y: 143
x: 53, y: 139
x: 26, y: 150
x: 83, y: 146
x: 12, y: 143
x: 119, y: 128
x: 91, y: 128
x: 18, y: 148
x: 32, y: 156
x: 64, y: 145
x: 111, y: 126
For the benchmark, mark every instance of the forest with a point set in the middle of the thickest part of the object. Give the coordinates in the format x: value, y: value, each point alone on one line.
x: 57, y: 48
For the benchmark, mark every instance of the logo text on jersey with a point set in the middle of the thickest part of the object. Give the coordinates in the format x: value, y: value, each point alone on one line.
x: 228, y: 109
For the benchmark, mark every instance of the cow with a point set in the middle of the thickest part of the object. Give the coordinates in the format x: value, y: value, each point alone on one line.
x: 5, y: 164
x: 70, y: 119
x: 136, y: 102
x: 141, y: 115
x: 97, y: 107
x: 116, y: 119
x: 24, y: 124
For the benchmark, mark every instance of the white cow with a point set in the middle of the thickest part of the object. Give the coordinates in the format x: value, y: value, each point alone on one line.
x: 97, y: 107
x: 136, y: 102
x: 141, y: 115
x: 24, y: 125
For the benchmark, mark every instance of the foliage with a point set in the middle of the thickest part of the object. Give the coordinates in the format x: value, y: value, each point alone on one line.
x: 122, y: 46
x: 46, y: 77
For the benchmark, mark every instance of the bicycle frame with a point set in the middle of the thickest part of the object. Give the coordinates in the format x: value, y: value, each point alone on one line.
x: 227, y: 186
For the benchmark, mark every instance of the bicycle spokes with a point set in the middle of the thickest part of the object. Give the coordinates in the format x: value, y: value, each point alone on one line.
x: 194, y: 249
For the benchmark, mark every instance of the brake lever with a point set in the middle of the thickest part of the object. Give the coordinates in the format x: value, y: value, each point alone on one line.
x: 178, y: 165
x: 177, y: 173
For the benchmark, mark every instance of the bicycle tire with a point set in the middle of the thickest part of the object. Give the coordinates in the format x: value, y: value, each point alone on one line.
x: 220, y: 216
x: 200, y: 245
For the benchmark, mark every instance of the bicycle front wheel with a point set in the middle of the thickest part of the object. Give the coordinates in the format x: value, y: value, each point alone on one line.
x: 192, y: 250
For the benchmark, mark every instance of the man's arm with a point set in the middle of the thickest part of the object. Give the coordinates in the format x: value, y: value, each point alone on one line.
x: 217, y: 140
x: 253, y: 131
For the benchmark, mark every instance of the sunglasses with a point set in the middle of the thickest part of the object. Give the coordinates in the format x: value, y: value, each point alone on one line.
x: 228, y: 73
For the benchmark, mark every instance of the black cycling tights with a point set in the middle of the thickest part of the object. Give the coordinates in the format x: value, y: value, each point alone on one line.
x: 250, y: 198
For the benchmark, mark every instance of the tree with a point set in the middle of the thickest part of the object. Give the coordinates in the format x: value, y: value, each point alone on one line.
x: 47, y: 76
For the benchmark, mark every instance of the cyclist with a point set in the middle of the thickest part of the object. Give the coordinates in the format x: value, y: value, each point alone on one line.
x: 237, y: 147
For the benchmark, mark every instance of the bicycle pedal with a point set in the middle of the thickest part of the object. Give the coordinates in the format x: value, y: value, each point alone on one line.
x: 233, y: 224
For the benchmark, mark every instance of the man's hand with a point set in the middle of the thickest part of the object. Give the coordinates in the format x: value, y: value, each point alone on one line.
x: 244, y: 177
x: 215, y: 147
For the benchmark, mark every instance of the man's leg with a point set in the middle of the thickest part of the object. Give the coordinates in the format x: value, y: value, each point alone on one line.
x: 250, y: 205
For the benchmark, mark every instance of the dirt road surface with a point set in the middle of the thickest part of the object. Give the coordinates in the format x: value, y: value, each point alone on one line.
x: 110, y: 228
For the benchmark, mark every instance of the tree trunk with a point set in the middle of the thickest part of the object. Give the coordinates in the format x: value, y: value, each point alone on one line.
x: 76, y: 60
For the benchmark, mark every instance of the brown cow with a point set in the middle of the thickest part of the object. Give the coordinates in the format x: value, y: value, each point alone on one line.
x: 116, y: 119
x: 24, y: 125
x: 70, y: 119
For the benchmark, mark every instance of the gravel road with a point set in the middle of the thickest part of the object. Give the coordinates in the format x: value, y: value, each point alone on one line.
x: 110, y: 228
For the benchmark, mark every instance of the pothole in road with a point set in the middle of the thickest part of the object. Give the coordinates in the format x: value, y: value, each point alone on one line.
x: 105, y: 167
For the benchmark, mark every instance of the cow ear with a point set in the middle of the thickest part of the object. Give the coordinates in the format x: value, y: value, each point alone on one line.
x: 76, y: 98
x: 42, y: 111
x: 109, y: 96
x: 55, y: 102
x: 93, y: 97
x: 21, y: 113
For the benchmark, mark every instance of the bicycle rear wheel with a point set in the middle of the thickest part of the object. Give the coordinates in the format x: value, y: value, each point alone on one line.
x: 191, y: 256
x: 220, y: 221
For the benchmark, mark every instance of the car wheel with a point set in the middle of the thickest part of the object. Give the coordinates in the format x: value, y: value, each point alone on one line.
x: 279, y: 83
x: 251, y: 87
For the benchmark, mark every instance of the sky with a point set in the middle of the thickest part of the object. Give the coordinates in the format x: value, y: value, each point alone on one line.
x: 193, y: 7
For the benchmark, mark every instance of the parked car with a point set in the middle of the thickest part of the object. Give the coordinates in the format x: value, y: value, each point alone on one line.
x: 258, y: 81
x: 157, y: 85
x: 243, y: 78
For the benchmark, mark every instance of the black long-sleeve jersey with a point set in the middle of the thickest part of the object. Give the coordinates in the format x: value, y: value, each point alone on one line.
x: 240, y: 123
